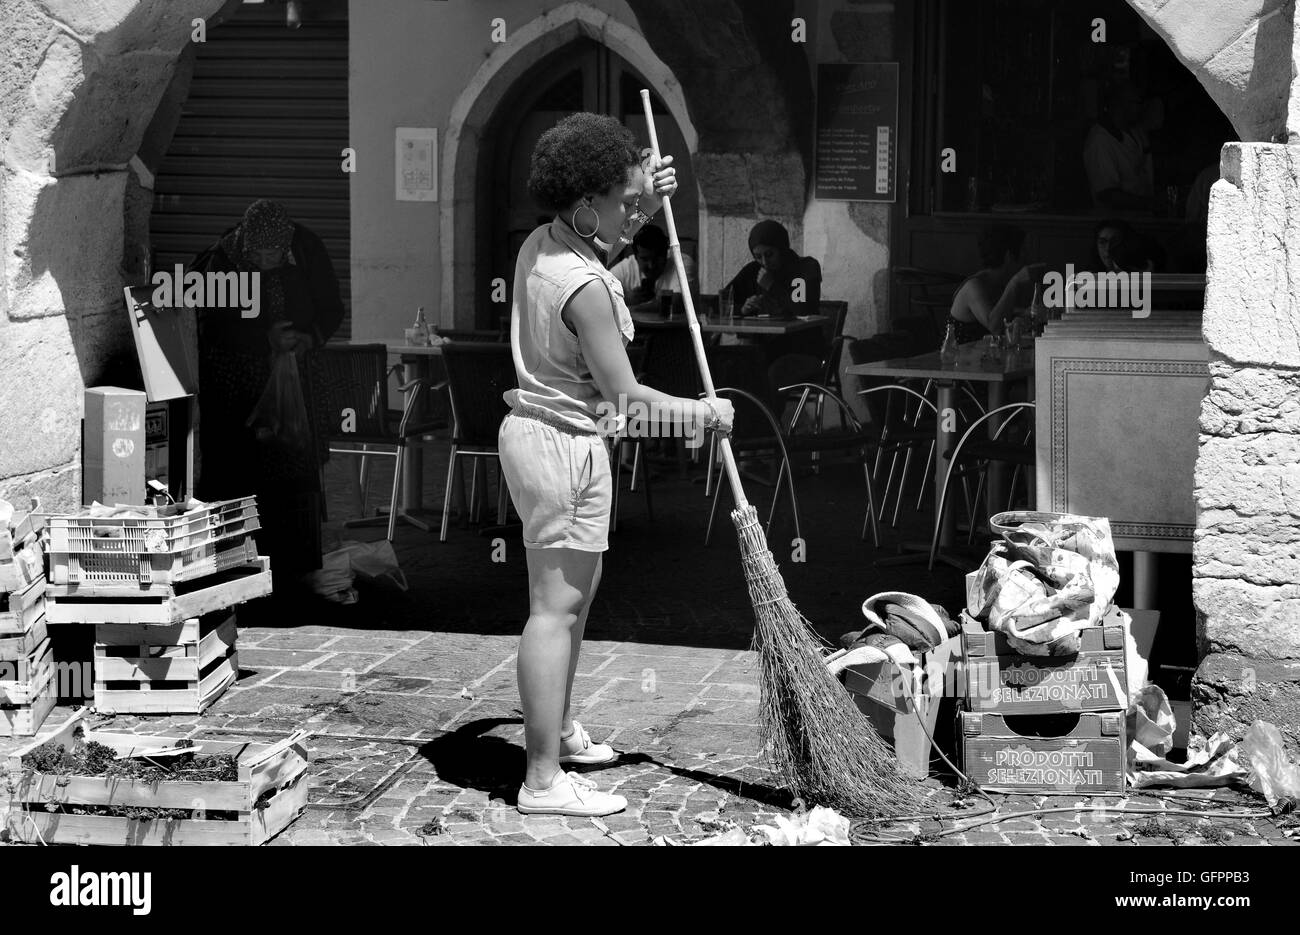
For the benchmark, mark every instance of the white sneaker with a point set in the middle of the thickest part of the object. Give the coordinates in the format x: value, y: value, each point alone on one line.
x: 578, y: 750
x: 572, y: 795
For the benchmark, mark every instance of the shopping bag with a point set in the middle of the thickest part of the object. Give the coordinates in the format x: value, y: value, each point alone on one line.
x: 280, y: 416
x: 1051, y: 575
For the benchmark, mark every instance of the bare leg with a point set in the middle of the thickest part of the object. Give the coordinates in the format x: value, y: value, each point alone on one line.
x: 560, y: 583
x: 576, y: 645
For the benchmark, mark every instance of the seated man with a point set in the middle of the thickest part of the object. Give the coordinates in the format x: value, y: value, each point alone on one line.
x: 647, y: 273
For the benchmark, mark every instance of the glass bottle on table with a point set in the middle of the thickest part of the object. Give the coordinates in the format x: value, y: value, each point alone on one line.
x: 948, y: 352
x: 418, y: 335
x: 1038, y: 311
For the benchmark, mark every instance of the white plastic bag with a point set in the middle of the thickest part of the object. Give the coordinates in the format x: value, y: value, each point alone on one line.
x: 375, y: 563
x: 1272, y: 774
x: 333, y: 580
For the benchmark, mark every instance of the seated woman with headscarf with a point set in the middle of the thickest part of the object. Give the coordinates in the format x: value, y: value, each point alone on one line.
x: 779, y: 282
x: 300, y: 309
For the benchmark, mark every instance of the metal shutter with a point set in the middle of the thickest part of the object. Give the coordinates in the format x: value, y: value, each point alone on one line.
x: 266, y: 117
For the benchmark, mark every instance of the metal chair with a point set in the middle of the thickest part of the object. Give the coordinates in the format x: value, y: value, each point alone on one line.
x: 927, y: 291
x: 477, y: 376
x: 985, y: 451
x: 349, y: 386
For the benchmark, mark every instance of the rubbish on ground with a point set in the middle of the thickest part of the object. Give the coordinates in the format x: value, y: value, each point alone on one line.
x: 1212, y: 762
x: 333, y: 580
x: 733, y: 838
x: 818, y: 827
x: 1272, y: 774
x: 1151, y: 720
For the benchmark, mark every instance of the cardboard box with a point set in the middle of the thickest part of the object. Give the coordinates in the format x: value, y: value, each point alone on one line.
x: 999, y: 679
x: 113, y: 446
x: 1005, y: 754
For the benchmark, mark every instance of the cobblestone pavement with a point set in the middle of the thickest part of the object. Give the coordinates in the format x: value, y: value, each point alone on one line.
x: 416, y: 735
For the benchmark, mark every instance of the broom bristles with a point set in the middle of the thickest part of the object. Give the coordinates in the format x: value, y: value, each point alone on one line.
x: 827, y: 752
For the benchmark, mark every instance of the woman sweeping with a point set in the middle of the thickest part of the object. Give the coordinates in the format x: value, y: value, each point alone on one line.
x: 569, y: 328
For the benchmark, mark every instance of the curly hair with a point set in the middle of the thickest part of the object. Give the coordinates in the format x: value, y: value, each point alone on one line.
x: 581, y: 155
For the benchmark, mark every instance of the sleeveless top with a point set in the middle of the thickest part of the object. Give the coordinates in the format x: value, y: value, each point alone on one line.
x: 554, y: 263
x: 966, y: 331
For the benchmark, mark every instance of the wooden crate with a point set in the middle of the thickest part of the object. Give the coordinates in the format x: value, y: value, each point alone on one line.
x: 998, y: 679
x: 28, y: 691
x: 100, y: 570
x: 22, y: 559
x: 1002, y: 757
x: 177, y: 669
x: 19, y: 609
x: 270, y: 793
x: 159, y: 605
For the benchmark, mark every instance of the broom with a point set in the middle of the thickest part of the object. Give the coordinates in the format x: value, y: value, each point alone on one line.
x: 824, y: 749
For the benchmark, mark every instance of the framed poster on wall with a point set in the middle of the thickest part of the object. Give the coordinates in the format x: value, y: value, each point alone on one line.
x: 856, y: 149
x: 417, y: 164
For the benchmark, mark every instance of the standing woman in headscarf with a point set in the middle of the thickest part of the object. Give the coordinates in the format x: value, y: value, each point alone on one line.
x: 300, y: 309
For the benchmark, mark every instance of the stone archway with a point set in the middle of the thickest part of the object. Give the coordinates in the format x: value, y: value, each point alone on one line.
x: 1246, y: 562
x: 474, y: 108
x: 82, y: 83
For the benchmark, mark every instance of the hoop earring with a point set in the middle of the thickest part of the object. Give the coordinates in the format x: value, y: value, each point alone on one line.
x: 573, y: 221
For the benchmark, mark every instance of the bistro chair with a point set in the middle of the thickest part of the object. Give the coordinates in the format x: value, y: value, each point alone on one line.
x: 669, y: 366
x: 477, y: 376
x: 349, y: 386
x: 982, y: 451
x: 758, y: 432
x: 928, y: 293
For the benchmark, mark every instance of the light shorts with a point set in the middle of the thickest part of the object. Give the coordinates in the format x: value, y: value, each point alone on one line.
x: 560, y: 484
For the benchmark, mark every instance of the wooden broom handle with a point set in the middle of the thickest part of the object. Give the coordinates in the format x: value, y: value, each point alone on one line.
x: 675, y: 248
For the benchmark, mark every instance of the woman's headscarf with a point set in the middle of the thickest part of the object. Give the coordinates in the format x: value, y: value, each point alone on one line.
x: 266, y: 226
x: 769, y: 234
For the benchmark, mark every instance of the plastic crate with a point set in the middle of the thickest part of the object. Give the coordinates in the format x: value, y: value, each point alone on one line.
x: 141, y: 534
x: 116, y: 567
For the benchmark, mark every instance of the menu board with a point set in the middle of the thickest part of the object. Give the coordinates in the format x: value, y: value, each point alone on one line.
x: 857, y: 132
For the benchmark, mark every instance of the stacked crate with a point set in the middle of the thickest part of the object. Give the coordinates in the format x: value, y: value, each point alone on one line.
x: 1046, y: 724
x: 159, y: 591
x: 27, y: 686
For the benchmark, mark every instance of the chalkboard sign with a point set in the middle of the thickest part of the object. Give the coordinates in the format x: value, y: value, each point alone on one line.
x: 857, y: 132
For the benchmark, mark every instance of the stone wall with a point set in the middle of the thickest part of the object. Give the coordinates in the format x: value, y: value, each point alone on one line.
x: 747, y: 85
x: 1247, y: 553
x: 79, y: 83
x: 1246, y: 573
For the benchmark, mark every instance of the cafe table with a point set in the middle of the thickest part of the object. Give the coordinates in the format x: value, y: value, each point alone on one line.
x: 970, y: 367
x: 752, y: 325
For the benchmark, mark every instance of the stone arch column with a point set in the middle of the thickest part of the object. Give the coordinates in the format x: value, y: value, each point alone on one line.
x: 1246, y: 570
x: 473, y: 111
x: 82, y: 82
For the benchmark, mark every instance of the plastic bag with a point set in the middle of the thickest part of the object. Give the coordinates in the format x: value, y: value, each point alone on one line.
x: 280, y: 416
x: 1272, y: 774
x: 333, y: 580
x: 375, y: 563
x: 1051, y: 575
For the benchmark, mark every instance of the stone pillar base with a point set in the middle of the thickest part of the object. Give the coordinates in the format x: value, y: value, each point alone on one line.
x: 1230, y: 691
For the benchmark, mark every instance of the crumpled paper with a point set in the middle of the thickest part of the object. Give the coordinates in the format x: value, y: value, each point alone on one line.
x: 819, y: 827
x: 1212, y: 762
x: 1272, y: 774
